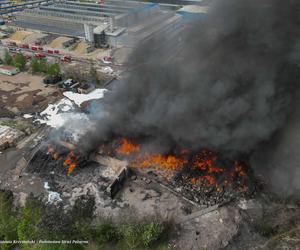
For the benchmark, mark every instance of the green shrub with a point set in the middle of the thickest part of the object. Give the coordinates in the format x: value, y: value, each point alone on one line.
x: 42, y: 66
x: 37, y: 221
x: 7, y: 219
x: 151, y: 233
x: 8, y: 60
x: 28, y: 223
x: 53, y: 69
x: 265, y: 229
x: 20, y: 61
x: 39, y: 65
x: 14, y: 124
x: 131, y: 235
x: 105, y: 233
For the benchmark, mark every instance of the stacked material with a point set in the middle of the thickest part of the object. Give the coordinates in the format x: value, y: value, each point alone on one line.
x: 9, y: 137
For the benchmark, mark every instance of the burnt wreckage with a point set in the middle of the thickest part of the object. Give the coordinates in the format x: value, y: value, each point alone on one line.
x: 204, y: 178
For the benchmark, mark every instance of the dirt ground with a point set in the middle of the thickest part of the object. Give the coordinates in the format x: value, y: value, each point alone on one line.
x: 20, y: 35
x: 58, y: 42
x: 24, y: 93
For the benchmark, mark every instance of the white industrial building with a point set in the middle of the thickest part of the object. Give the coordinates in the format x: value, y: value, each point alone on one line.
x: 9, y: 70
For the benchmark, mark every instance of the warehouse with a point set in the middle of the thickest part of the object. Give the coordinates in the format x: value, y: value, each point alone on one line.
x: 124, y: 23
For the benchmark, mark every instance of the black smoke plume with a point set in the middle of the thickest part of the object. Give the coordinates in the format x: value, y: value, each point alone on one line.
x: 229, y: 88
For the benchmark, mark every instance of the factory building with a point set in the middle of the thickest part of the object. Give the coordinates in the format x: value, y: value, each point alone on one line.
x: 114, y: 22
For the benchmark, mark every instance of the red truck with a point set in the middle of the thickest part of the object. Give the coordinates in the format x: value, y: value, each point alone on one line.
x: 24, y: 46
x: 66, y: 58
x: 36, y: 48
x: 40, y: 55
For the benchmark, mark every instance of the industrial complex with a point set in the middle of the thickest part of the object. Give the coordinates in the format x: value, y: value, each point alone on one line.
x: 161, y: 124
x: 125, y: 23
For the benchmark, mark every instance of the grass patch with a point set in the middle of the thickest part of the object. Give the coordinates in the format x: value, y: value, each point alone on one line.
x: 291, y: 237
x: 265, y: 229
x: 14, y: 124
x: 37, y: 221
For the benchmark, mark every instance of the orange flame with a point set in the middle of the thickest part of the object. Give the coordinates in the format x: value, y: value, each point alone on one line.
x: 161, y: 161
x: 70, y: 161
x: 128, y: 147
x: 205, y: 161
x: 239, y: 169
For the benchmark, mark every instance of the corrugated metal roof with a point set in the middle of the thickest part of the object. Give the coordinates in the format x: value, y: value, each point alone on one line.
x: 7, y: 67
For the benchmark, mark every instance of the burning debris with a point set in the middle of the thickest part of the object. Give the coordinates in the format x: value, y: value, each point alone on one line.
x: 230, y: 88
x: 203, y: 177
x: 56, y: 158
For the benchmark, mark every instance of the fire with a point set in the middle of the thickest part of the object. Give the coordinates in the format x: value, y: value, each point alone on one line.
x: 239, y: 169
x: 128, y: 147
x: 210, y: 179
x: 161, y: 161
x: 172, y: 162
x: 70, y: 161
x: 205, y: 160
x: 206, y: 179
x: 204, y: 168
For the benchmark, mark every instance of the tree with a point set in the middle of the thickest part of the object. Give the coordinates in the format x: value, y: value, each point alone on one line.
x: 7, y: 219
x: 43, y: 65
x: 8, y: 60
x: 39, y: 65
x: 34, y: 65
x: 20, y: 61
x: 28, y: 226
x: 53, y: 69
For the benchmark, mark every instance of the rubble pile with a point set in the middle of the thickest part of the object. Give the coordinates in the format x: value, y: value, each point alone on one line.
x: 55, y: 159
x: 213, y: 190
x: 9, y: 136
